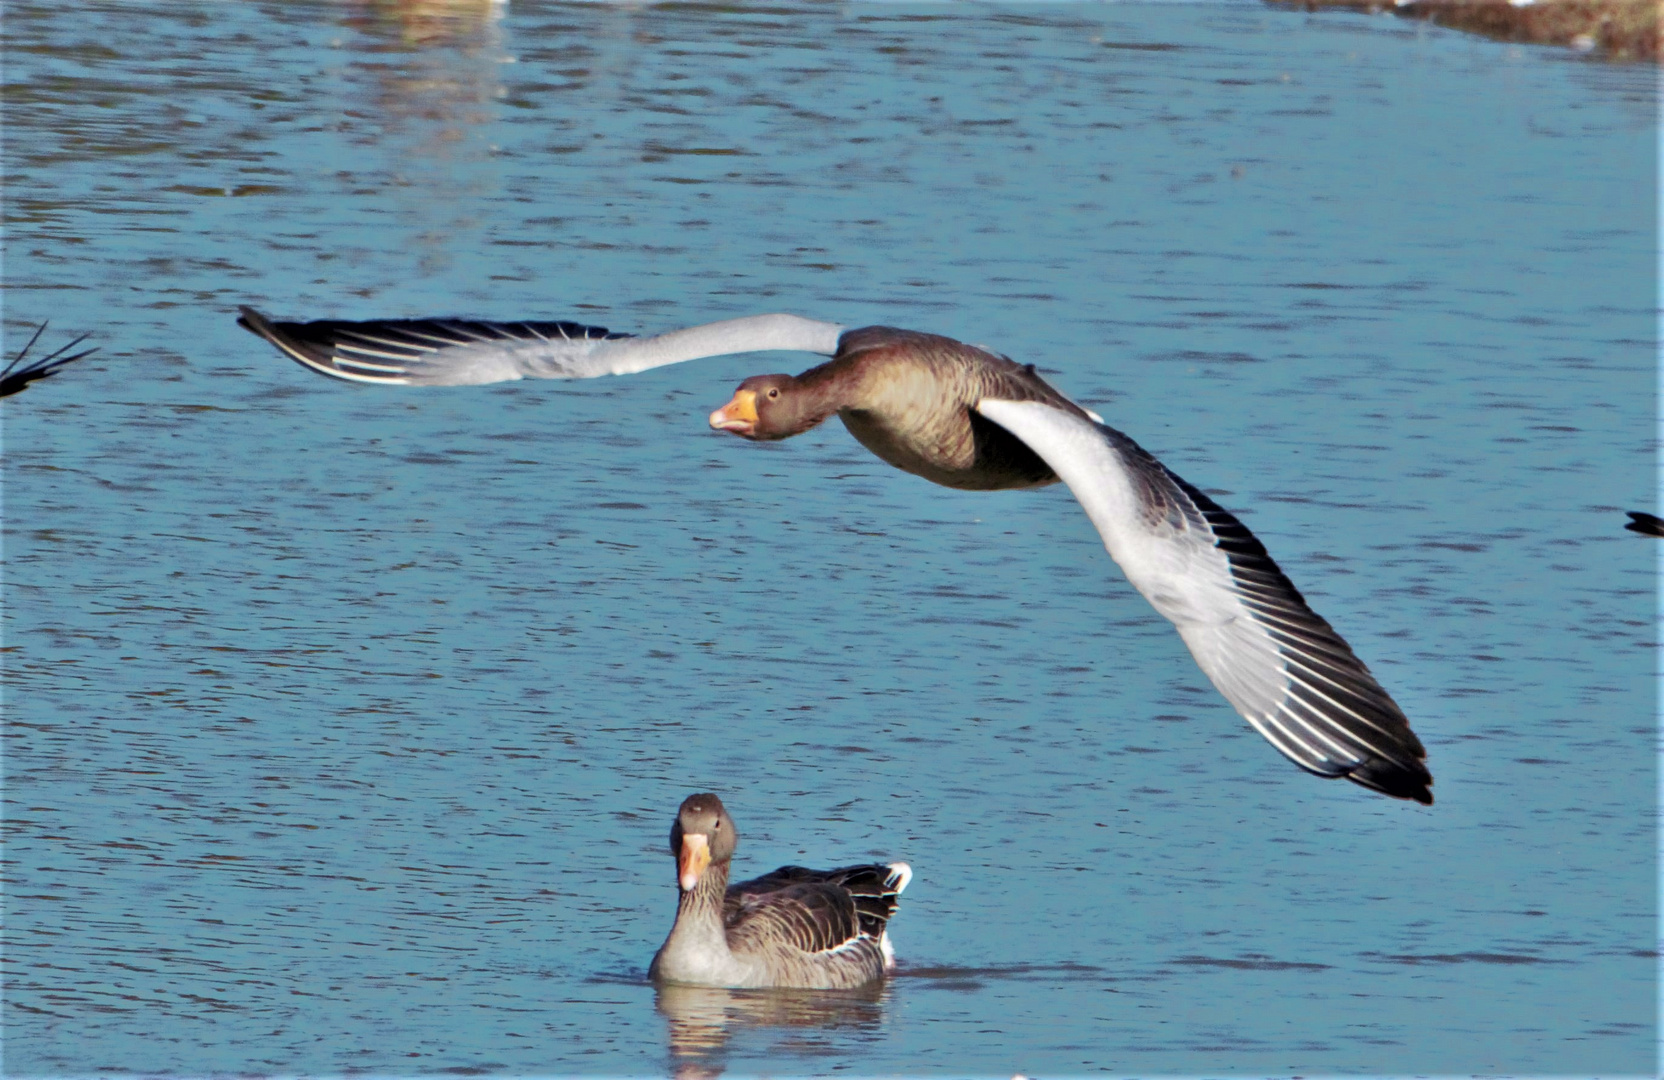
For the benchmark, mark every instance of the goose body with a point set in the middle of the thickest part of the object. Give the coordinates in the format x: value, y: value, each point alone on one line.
x: 795, y: 927
x: 911, y: 399
x: 966, y: 418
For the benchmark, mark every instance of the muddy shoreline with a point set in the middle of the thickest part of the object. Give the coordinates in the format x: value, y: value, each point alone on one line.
x: 1620, y: 30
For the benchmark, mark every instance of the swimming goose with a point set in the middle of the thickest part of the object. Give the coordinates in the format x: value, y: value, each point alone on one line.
x: 963, y: 417
x: 808, y: 929
x: 14, y: 379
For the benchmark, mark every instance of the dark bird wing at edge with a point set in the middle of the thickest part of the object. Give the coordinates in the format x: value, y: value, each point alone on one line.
x: 19, y: 375
x: 1644, y: 523
x: 1276, y: 660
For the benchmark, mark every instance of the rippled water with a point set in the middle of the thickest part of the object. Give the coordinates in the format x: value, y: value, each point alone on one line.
x: 344, y: 725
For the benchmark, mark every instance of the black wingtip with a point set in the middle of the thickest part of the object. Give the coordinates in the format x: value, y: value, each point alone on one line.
x: 296, y: 346
x: 18, y: 375
x: 255, y: 323
x: 1644, y: 523
x: 1401, y: 780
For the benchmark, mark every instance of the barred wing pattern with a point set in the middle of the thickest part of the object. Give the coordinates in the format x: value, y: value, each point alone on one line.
x: 817, y: 911
x: 451, y: 352
x: 471, y: 352
x: 1276, y: 660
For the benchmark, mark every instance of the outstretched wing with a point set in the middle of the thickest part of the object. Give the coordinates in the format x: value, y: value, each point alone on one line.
x: 1276, y: 660
x: 469, y: 352
x: 18, y: 374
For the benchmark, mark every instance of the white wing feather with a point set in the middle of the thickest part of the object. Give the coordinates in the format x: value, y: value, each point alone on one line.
x: 470, y: 352
x: 1181, y: 574
x: 1279, y: 663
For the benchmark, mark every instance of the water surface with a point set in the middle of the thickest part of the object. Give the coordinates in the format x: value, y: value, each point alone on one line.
x: 344, y: 725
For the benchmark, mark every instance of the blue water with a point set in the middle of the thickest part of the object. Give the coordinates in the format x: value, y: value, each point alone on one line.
x: 344, y: 725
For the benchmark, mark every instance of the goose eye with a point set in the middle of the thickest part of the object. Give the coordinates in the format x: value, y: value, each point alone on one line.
x: 774, y: 392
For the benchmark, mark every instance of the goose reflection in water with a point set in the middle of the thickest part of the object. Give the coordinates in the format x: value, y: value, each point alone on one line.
x: 430, y: 67
x: 702, y: 1019
x: 429, y: 22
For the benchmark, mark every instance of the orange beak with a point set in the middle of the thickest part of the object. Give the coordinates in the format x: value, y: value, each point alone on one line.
x: 739, y: 415
x: 695, y: 856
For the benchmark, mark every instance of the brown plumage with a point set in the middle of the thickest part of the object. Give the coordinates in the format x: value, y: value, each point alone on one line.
x: 794, y: 927
x: 911, y: 399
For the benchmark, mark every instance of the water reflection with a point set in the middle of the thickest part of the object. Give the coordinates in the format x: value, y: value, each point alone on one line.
x: 429, y: 22
x: 423, y: 81
x: 446, y: 64
x: 703, y: 1019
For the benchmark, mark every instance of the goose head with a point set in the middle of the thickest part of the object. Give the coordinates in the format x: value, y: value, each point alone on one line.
x: 767, y: 407
x: 703, y: 834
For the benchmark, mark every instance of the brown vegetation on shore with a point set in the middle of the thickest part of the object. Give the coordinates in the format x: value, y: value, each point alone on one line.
x: 1616, y: 29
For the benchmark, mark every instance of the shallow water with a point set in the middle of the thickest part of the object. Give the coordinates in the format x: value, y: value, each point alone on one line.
x: 344, y: 725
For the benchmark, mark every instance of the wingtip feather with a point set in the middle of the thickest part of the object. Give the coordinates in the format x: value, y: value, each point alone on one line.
x: 18, y: 374
x: 1644, y: 523
x: 1402, y: 780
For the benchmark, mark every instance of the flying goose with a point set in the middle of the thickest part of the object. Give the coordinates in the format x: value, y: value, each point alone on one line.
x: 806, y: 929
x: 15, y: 378
x: 963, y: 417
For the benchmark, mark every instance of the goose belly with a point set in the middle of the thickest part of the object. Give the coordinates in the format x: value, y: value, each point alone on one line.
x: 678, y: 963
x: 965, y: 451
x: 855, y: 965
